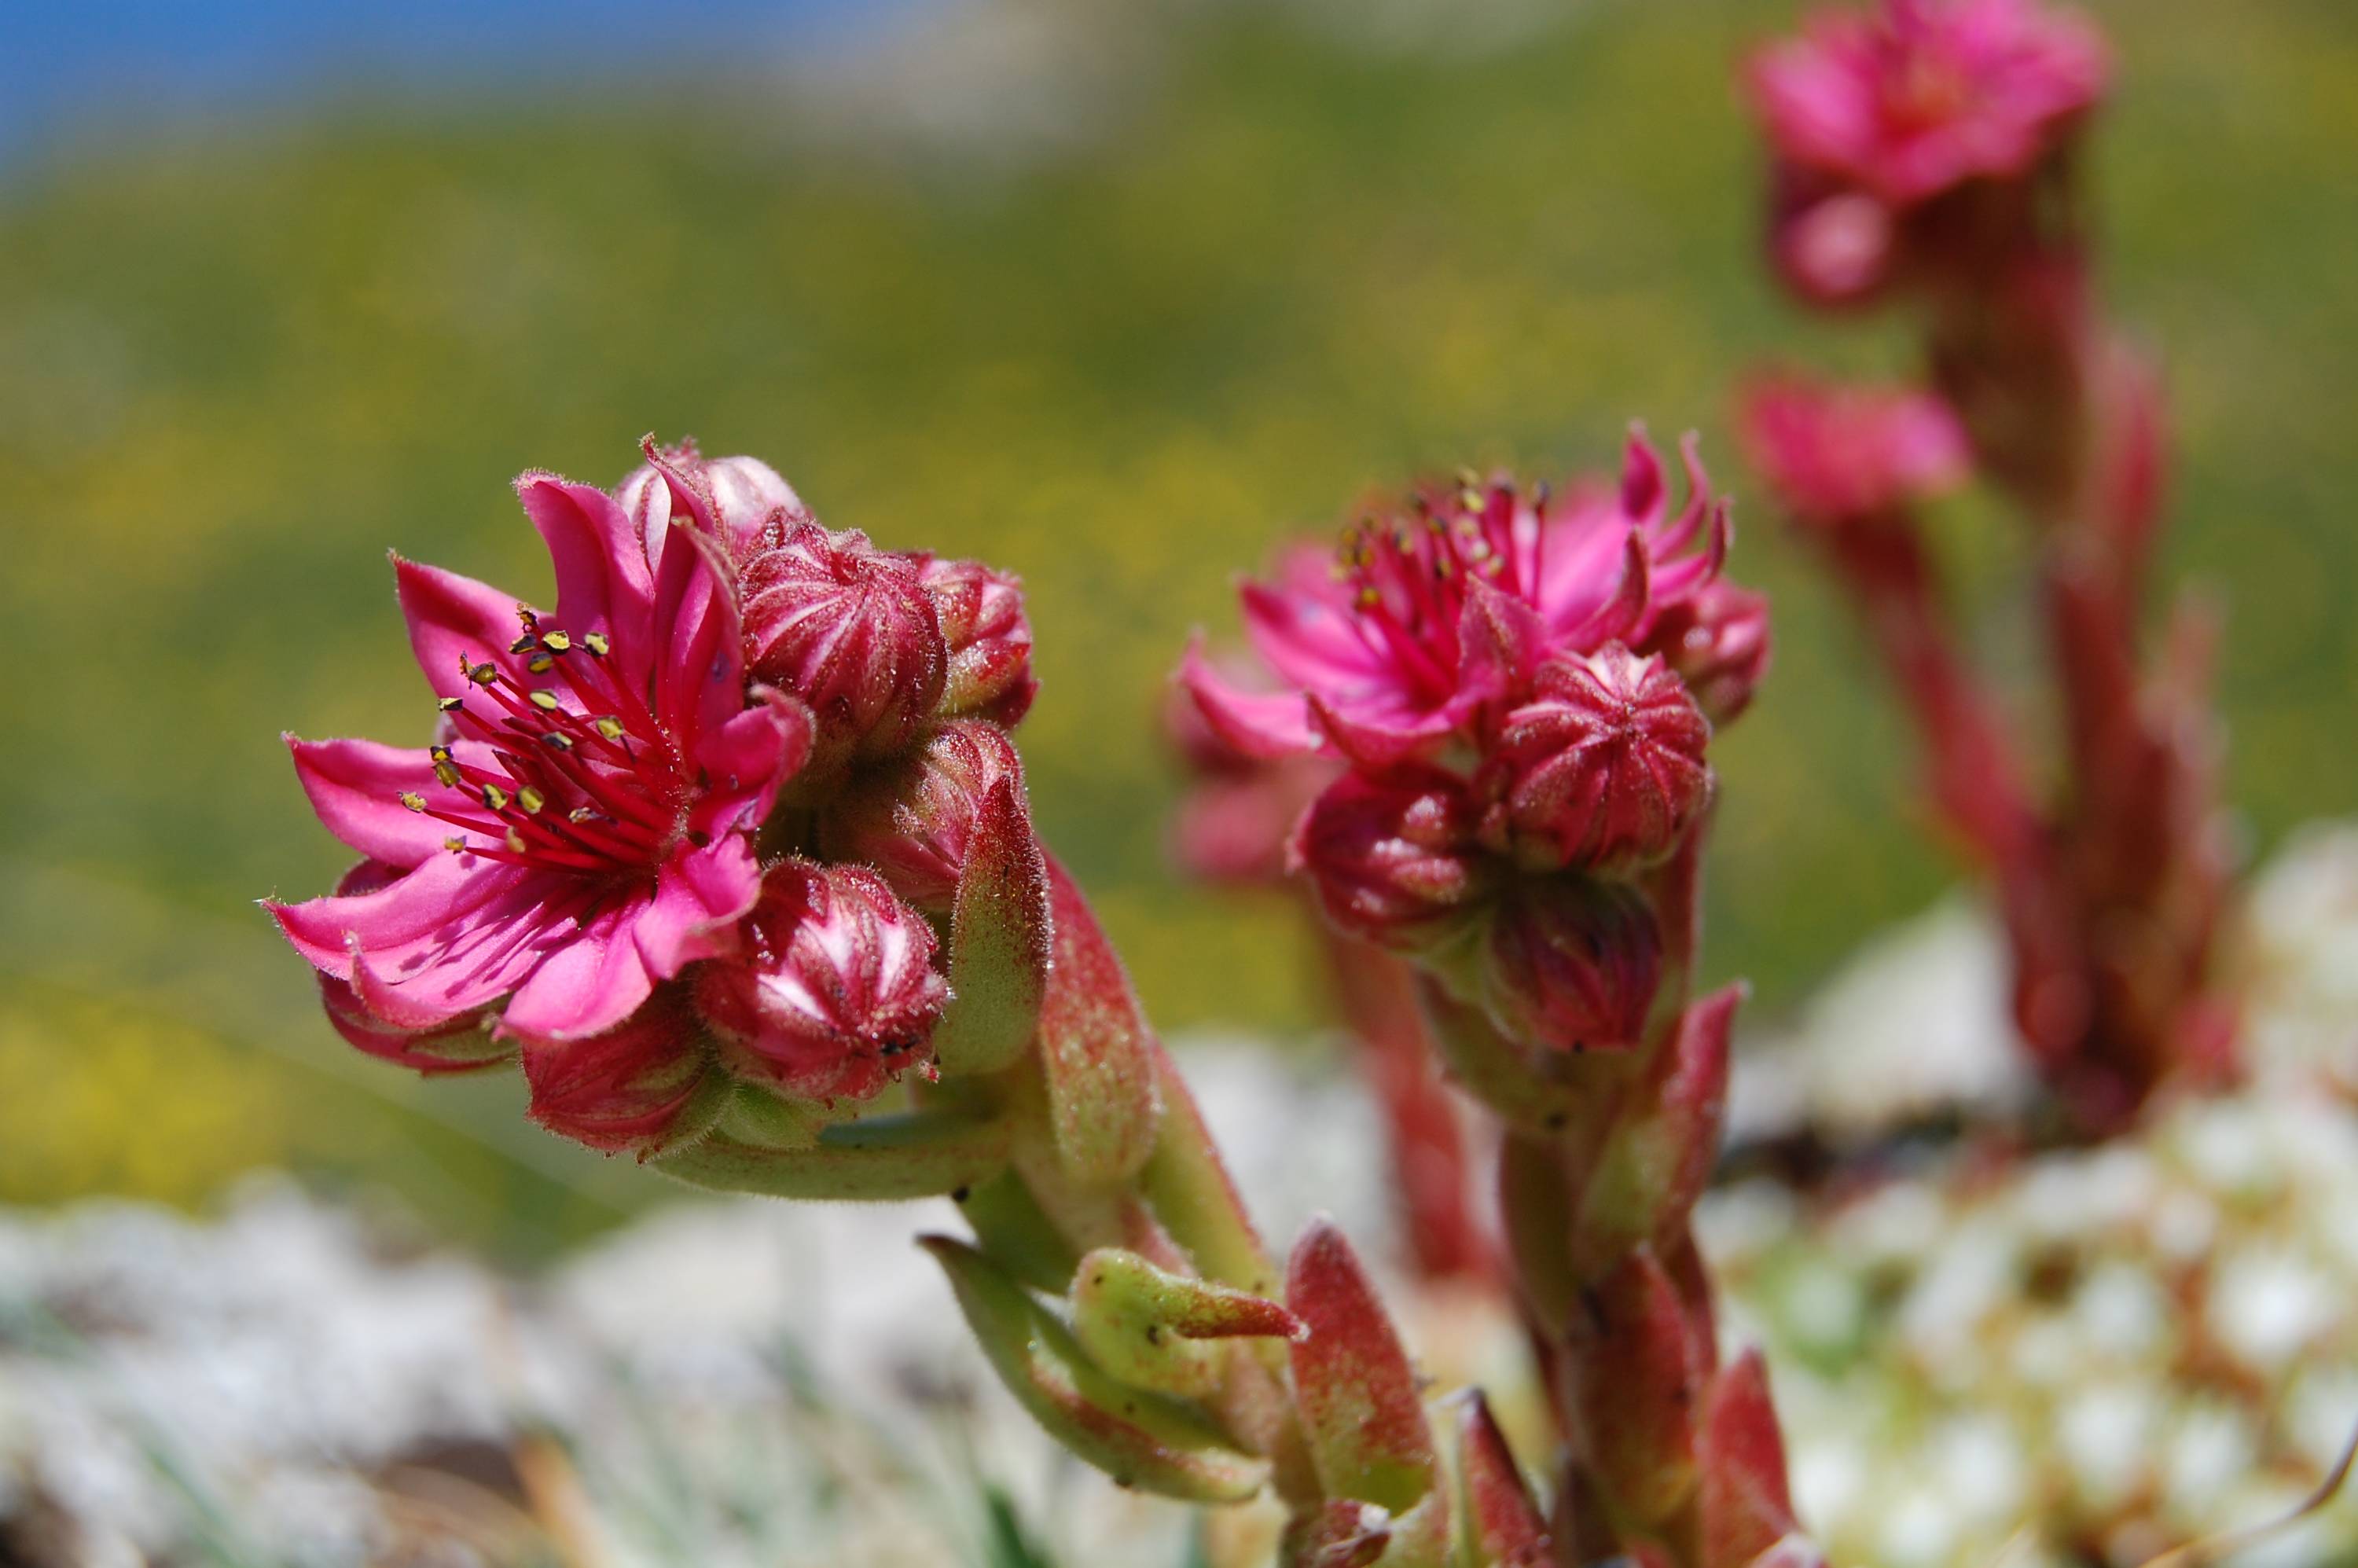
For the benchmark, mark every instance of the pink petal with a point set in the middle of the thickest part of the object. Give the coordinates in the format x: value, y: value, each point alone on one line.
x: 587, y: 984
x: 356, y: 788
x: 603, y: 578
x: 452, y: 935
x: 699, y: 897
x: 453, y: 621
x: 700, y: 682
x: 1307, y: 639
x: 1503, y: 639
x: 1257, y: 724
x: 1378, y: 743
x: 749, y: 758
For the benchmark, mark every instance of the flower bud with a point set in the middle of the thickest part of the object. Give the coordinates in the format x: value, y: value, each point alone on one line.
x: 912, y: 818
x: 982, y: 616
x: 1835, y: 454
x: 1717, y: 642
x: 1392, y: 860
x: 849, y: 629
x: 643, y: 1086
x: 1602, y: 770
x: 742, y: 494
x: 1571, y: 963
x: 838, y: 992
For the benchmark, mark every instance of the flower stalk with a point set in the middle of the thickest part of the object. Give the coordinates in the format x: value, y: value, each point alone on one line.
x: 1951, y: 129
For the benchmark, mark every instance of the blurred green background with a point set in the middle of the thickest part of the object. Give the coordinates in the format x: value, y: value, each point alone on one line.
x: 1117, y: 313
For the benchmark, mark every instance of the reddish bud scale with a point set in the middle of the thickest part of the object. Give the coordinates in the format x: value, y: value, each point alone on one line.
x: 1393, y: 861
x: 1569, y: 963
x: 913, y: 817
x: 641, y: 1087
x: 837, y: 994
x: 1602, y: 770
x: 1717, y: 643
x: 990, y: 642
x: 849, y: 629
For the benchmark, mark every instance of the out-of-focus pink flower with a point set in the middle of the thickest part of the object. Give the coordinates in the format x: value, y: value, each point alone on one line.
x: 1571, y: 963
x: 1603, y: 770
x: 1238, y: 811
x: 1393, y: 859
x: 1832, y: 248
x: 648, y: 1083
x: 911, y: 817
x: 981, y: 617
x: 1430, y: 617
x: 584, y: 829
x: 1717, y: 642
x: 1919, y: 96
x: 740, y: 494
x: 847, y: 628
x: 837, y: 992
x: 1835, y: 454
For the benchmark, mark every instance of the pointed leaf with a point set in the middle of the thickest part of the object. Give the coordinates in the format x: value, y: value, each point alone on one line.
x: 1141, y: 1439
x: 1145, y: 1325
x: 917, y: 1154
x: 1352, y: 1380
x: 999, y: 941
x: 1343, y: 1533
x: 1011, y: 1226
x: 1096, y: 1051
x: 1659, y: 1154
x: 1638, y: 1372
x: 1746, y: 1507
x: 1502, y: 638
x: 1504, y: 1526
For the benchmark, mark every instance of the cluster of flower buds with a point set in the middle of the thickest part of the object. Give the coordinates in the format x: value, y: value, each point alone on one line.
x: 732, y: 838
x: 1516, y: 690
x: 1514, y: 694
x: 1925, y: 153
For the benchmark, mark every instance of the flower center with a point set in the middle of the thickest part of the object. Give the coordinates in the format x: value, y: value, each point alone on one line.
x: 1409, y: 576
x: 584, y: 779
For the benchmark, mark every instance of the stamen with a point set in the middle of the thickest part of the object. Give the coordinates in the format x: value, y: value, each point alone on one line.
x: 596, y: 642
x: 531, y: 799
x: 541, y: 663
x: 483, y: 673
x: 556, y: 642
x: 544, y: 699
x: 494, y: 797
x: 449, y: 704
x: 413, y: 800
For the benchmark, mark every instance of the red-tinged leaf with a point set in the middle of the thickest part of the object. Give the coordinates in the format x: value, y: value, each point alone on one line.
x: 1746, y: 1507
x: 1794, y: 1551
x: 1147, y: 1326
x: 1352, y: 1380
x: 1096, y: 1051
x: 1638, y: 1369
x: 1343, y: 1533
x: 1140, y: 1438
x: 1659, y: 1155
x: 1504, y: 1526
x: 1000, y: 940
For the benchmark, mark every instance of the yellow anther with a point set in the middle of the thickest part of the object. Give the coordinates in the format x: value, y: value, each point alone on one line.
x: 483, y: 673
x: 581, y: 813
x: 449, y: 704
x: 560, y: 739
x: 608, y: 726
x: 596, y: 642
x: 531, y: 799
x: 494, y: 797
x: 541, y: 663
x: 544, y: 699
x: 412, y: 799
x: 454, y: 845
x: 522, y: 644
x: 515, y: 841
x: 446, y: 772
x: 556, y: 642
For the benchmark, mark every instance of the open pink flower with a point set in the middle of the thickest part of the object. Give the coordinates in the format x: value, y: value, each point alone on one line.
x: 1428, y: 619
x: 1924, y: 94
x: 1842, y: 453
x: 583, y: 830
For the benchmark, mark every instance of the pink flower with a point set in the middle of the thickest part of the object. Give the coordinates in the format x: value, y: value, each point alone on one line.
x: 911, y: 818
x: 1925, y: 94
x: 1571, y: 963
x: 847, y: 628
x: 982, y: 616
x: 584, y: 828
x: 838, y: 992
x: 1393, y: 860
x: 1834, y: 454
x: 1427, y: 620
x: 1602, y: 770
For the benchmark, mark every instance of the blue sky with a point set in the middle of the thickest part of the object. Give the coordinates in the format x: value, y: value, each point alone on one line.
x: 69, y: 67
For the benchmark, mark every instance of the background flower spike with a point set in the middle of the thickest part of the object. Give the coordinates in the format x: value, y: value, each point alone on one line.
x: 1157, y: 1329
x: 884, y: 1159
x: 1353, y: 1383
x: 1140, y: 1438
x: 1000, y: 940
x: 1502, y: 1526
x: 1095, y: 1050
